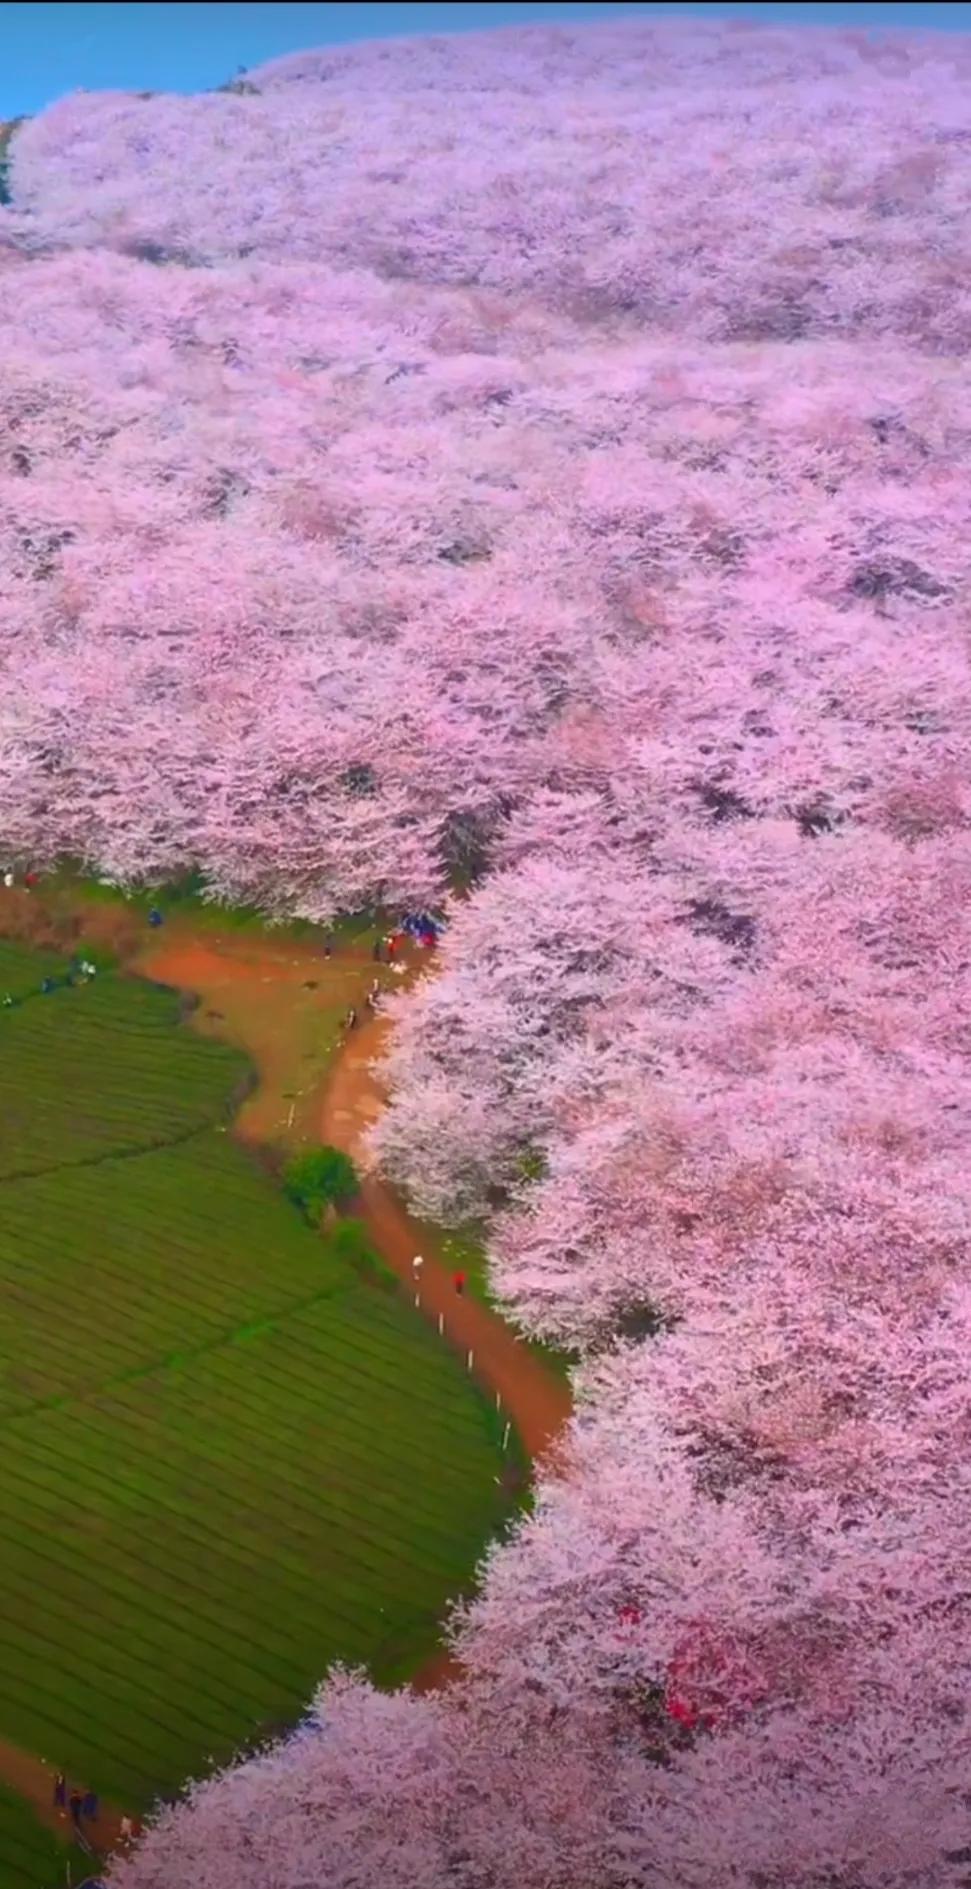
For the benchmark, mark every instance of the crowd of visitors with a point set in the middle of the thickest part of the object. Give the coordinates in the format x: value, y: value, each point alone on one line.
x: 423, y: 927
x: 83, y: 1808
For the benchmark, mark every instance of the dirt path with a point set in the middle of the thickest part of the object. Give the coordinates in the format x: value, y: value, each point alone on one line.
x: 342, y: 1100
x: 33, y: 1780
x: 273, y: 998
x: 537, y: 1401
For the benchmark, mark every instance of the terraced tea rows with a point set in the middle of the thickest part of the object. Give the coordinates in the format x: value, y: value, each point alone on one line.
x: 226, y: 1461
x: 30, y: 1857
x: 88, y: 1072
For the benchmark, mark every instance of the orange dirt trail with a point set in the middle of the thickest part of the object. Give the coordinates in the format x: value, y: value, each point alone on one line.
x: 537, y: 1401
x: 235, y: 974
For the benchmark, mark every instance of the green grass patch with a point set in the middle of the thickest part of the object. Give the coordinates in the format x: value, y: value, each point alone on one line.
x: 227, y: 1458
x: 89, y: 1073
x: 30, y: 1856
x: 186, y: 899
x: 22, y: 969
x: 465, y: 1251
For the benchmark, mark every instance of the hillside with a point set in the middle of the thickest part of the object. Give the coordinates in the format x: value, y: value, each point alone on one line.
x: 537, y: 464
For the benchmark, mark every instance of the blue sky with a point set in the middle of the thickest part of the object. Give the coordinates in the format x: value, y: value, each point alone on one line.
x: 46, y: 50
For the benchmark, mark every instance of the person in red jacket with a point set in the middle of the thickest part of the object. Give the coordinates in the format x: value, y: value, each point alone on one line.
x: 459, y: 1282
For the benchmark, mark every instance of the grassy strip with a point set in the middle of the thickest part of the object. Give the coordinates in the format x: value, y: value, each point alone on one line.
x: 186, y: 899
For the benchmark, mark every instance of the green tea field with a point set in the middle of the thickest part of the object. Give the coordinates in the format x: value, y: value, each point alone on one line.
x: 225, y: 1459
x: 30, y: 1857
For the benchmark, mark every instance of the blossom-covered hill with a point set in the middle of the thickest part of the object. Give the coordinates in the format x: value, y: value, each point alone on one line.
x: 541, y: 460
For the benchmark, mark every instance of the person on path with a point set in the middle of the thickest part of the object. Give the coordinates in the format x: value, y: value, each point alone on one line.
x: 155, y: 918
x: 416, y: 1266
x: 90, y: 1806
x: 378, y: 952
x: 47, y: 986
x: 351, y: 1018
x: 392, y: 943
x: 328, y: 945
x: 126, y: 1829
x: 60, y: 1790
x: 8, y: 880
x: 31, y: 878
x: 459, y: 1283
x: 76, y: 1805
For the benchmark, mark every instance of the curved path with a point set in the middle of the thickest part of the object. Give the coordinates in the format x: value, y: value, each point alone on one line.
x: 347, y: 1100
x: 537, y: 1401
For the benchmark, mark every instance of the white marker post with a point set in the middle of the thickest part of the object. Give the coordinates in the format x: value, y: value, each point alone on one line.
x: 470, y: 1358
x: 505, y: 1436
x: 441, y: 1323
